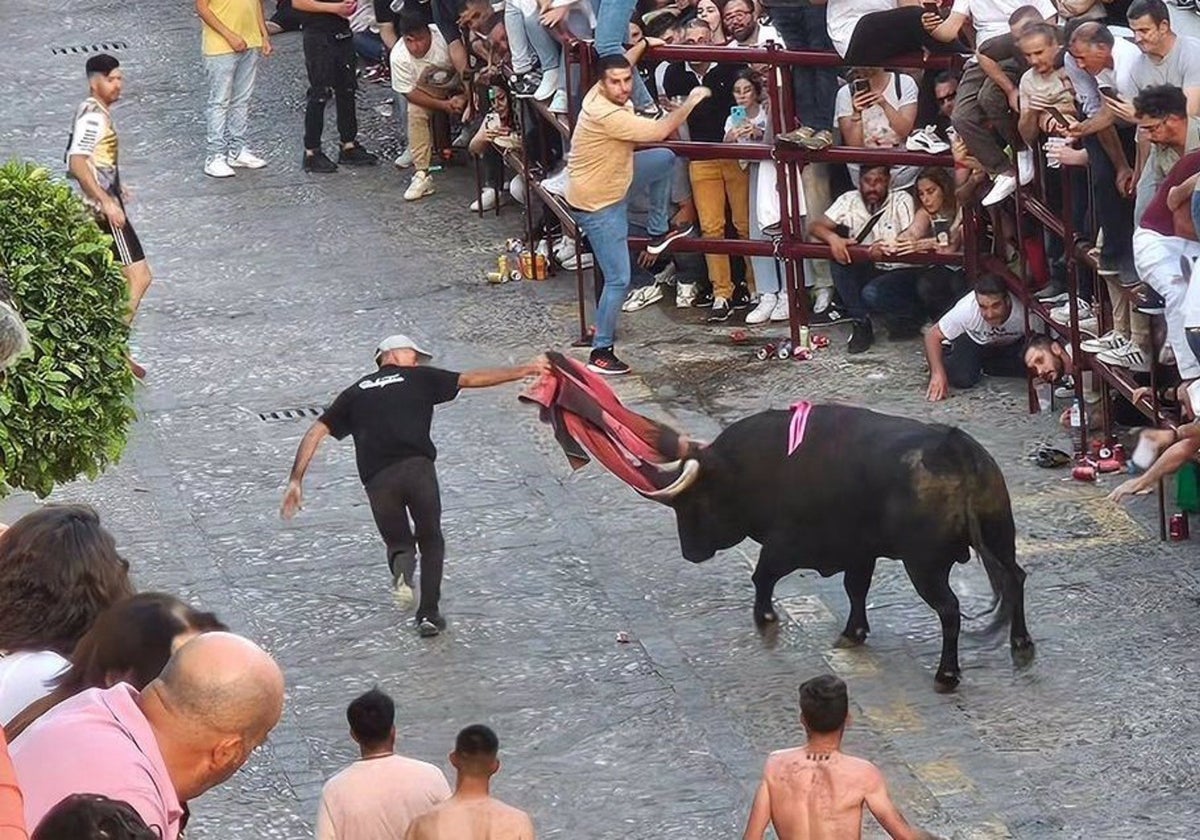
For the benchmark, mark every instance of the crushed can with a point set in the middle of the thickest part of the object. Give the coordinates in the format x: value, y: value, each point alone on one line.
x: 819, y: 341
x: 495, y: 277
x: 514, y: 244
x: 739, y: 337
x: 1084, y: 472
x: 764, y: 353
x: 623, y: 638
x: 802, y: 354
x: 784, y: 350
x: 1178, y: 528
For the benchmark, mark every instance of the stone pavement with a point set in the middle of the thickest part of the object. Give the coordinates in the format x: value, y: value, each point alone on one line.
x: 270, y: 291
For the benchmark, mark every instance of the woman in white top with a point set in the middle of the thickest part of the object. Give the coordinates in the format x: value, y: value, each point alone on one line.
x: 59, y: 569
x: 869, y: 32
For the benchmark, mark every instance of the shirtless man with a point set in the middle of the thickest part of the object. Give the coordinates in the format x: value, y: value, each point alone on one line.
x: 471, y: 813
x: 816, y: 791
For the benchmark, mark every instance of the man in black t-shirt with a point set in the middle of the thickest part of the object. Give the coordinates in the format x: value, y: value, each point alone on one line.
x: 389, y: 413
x: 330, y: 60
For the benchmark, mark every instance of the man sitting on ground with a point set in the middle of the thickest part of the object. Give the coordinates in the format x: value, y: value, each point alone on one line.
x: 817, y: 790
x: 472, y: 813
x: 983, y: 332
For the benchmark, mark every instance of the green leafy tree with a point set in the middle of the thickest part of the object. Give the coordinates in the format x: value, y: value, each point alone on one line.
x: 65, y: 407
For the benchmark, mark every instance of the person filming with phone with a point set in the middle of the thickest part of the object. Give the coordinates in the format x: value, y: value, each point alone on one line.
x: 877, y: 111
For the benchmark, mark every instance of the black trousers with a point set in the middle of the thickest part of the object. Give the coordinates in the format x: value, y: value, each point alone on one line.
x: 879, y: 36
x: 403, y: 490
x: 330, y: 61
x: 966, y: 362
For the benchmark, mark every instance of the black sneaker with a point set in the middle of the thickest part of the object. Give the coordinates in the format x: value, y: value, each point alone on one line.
x: 605, y: 362
x: 703, y: 300
x: 861, y: 338
x: 831, y: 315
x: 430, y: 625
x: 356, y: 155
x: 741, y: 298
x: 721, y: 310
x: 318, y: 162
x: 774, y: 231
x: 660, y: 243
x: 1146, y: 300
x: 524, y: 85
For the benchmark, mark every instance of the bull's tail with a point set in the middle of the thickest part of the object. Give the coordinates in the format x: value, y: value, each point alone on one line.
x: 992, y: 532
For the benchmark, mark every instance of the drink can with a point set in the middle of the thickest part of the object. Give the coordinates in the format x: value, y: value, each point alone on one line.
x: 764, y: 353
x: 804, y: 338
x: 502, y: 264
x: 1179, y: 527
x: 784, y: 351
x: 1084, y: 473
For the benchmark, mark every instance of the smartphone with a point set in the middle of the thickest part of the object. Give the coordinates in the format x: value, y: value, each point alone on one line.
x: 738, y: 114
x: 931, y: 7
x: 860, y: 86
x: 941, y: 231
x: 1109, y: 91
x: 492, y: 121
x: 1057, y: 116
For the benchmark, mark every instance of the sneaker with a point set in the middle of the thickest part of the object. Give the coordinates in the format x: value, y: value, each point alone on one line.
x: 781, y: 312
x: 741, y: 298
x: 1106, y: 268
x: 685, y: 294
x: 356, y: 155
x: 642, y: 297
x: 1002, y: 187
x: 547, y: 86
x: 560, y: 104
x: 1147, y: 301
x: 822, y: 299
x: 245, y: 159
x: 861, y: 337
x: 703, y: 299
x: 806, y: 138
x: 318, y: 162
x: 796, y: 136
x: 523, y: 85
x: 762, y: 313
x: 666, y: 277
x: 1089, y: 327
x: 1111, y: 340
x: 831, y: 315
x: 430, y: 625
x: 578, y: 261
x: 1130, y: 356
x: 721, y: 310
x: 486, y: 200
x: 218, y: 167
x: 926, y: 140
x: 556, y: 183
x: 660, y: 243
x: 420, y: 186
x: 405, y: 159
x: 1025, y: 167
x: 605, y: 362
x: 1061, y: 314
x: 402, y: 592
x: 773, y: 231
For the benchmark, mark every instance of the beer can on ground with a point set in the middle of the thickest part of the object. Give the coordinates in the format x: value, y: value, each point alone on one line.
x: 804, y: 338
x: 1084, y: 473
x: 1179, y: 527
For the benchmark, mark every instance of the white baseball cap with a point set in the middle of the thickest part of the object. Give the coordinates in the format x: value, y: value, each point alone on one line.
x: 400, y: 342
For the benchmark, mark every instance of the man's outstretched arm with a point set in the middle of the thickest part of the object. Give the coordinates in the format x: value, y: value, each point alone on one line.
x: 293, y: 497
x: 760, y: 814
x: 487, y: 377
x: 880, y: 804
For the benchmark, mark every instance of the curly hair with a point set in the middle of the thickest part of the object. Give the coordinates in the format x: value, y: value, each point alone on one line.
x: 59, y: 569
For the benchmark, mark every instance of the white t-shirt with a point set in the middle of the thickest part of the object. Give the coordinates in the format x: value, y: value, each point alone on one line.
x: 406, y: 70
x: 965, y: 317
x: 990, y: 17
x: 1125, y: 56
x: 877, y: 131
x: 843, y: 16
x: 850, y: 210
x: 23, y: 679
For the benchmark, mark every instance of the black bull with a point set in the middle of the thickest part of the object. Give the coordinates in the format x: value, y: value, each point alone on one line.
x: 860, y: 486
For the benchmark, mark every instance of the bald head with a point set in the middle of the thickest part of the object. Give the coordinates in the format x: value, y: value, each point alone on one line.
x: 225, y: 684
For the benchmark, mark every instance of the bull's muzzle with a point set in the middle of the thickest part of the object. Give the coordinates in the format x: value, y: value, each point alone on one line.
x: 687, y: 477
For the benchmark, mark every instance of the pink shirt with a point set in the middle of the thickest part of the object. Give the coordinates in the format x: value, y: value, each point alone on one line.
x: 12, y: 820
x: 378, y: 798
x: 97, y: 742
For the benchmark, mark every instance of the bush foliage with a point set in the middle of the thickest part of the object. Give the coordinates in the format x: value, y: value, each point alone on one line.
x: 65, y: 408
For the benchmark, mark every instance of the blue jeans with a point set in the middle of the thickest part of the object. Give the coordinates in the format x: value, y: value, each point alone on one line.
x: 526, y: 32
x: 815, y: 89
x: 612, y: 28
x: 607, y: 230
x: 849, y: 281
x: 230, y: 83
x: 369, y: 45
x: 768, y: 273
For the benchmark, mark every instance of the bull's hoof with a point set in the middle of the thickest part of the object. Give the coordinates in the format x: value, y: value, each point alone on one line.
x: 946, y: 681
x: 1023, y: 651
x: 852, y: 639
x: 765, y: 617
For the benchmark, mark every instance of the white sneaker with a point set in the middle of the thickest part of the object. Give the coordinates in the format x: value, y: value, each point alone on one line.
x: 1025, y: 167
x: 1004, y: 186
x: 488, y: 196
x: 1089, y: 327
x: 642, y: 297
x: 1129, y: 356
x: 575, y: 261
x: 762, y: 313
x: 666, y: 277
x: 218, y: 167
x: 782, y: 311
x: 559, y: 104
x: 823, y: 298
x: 1062, y: 314
x: 564, y: 248
x: 547, y: 86
x: 556, y: 183
x: 1111, y: 340
x: 246, y: 159
x: 405, y: 159
x: 685, y: 295
x: 420, y: 186
x: 926, y: 140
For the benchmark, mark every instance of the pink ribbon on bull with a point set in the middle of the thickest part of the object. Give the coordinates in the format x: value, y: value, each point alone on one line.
x: 799, y: 422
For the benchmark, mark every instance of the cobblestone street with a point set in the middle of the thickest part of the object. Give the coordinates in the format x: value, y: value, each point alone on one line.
x: 270, y: 291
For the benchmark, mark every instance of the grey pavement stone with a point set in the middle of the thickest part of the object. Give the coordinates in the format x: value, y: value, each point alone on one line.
x: 270, y: 291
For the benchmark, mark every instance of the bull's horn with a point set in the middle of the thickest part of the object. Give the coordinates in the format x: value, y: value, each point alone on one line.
x: 691, y: 471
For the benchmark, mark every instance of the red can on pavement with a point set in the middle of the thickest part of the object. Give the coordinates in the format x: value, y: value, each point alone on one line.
x: 1179, y: 527
x: 1084, y: 473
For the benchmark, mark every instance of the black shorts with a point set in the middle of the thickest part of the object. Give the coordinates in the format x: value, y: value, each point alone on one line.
x: 126, y: 247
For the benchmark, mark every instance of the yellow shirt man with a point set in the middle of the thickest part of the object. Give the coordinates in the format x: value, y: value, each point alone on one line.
x: 241, y: 17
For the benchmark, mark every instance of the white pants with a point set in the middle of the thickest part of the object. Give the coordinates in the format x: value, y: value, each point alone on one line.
x: 1156, y: 258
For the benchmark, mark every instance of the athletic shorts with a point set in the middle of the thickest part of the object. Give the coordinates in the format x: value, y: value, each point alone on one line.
x: 126, y: 247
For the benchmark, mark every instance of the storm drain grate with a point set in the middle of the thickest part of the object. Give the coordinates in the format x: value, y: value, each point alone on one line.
x: 290, y: 414
x: 84, y: 49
